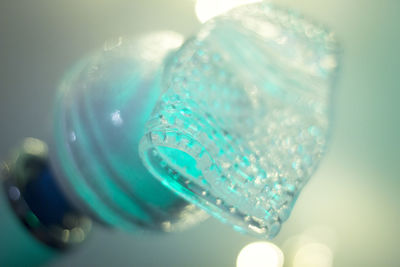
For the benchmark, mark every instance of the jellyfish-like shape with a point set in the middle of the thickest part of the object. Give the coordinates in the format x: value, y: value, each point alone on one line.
x: 243, y: 119
x: 101, y: 110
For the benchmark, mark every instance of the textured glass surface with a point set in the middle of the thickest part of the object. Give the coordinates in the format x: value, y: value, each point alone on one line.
x: 243, y: 120
x: 103, y: 104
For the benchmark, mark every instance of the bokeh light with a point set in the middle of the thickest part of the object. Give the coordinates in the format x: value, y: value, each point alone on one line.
x: 207, y: 9
x: 260, y: 254
x: 313, y: 255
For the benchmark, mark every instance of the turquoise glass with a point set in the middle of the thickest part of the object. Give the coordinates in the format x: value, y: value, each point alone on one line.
x: 100, y: 114
x: 244, y: 116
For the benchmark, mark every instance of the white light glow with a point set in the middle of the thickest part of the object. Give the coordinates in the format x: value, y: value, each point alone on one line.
x: 260, y: 254
x: 313, y: 255
x: 154, y: 46
x: 207, y: 9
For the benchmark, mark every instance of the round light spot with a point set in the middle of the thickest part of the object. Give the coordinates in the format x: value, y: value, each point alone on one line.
x: 313, y: 255
x: 207, y: 9
x: 260, y: 254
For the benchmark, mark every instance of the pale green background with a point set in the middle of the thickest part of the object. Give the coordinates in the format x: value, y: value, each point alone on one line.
x: 355, y: 193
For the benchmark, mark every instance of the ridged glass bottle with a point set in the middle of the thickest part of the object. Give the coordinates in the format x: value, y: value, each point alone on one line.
x: 244, y: 116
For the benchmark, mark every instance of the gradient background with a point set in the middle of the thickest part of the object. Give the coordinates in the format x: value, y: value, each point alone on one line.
x: 355, y: 195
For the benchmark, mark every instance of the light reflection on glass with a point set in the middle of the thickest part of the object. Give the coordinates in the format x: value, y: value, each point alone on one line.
x: 14, y: 193
x: 116, y: 118
x: 260, y: 254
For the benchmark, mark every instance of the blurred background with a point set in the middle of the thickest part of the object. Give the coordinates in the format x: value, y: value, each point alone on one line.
x: 348, y: 214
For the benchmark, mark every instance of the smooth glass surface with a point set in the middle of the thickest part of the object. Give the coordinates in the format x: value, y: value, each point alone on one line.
x: 243, y: 120
x: 103, y: 104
